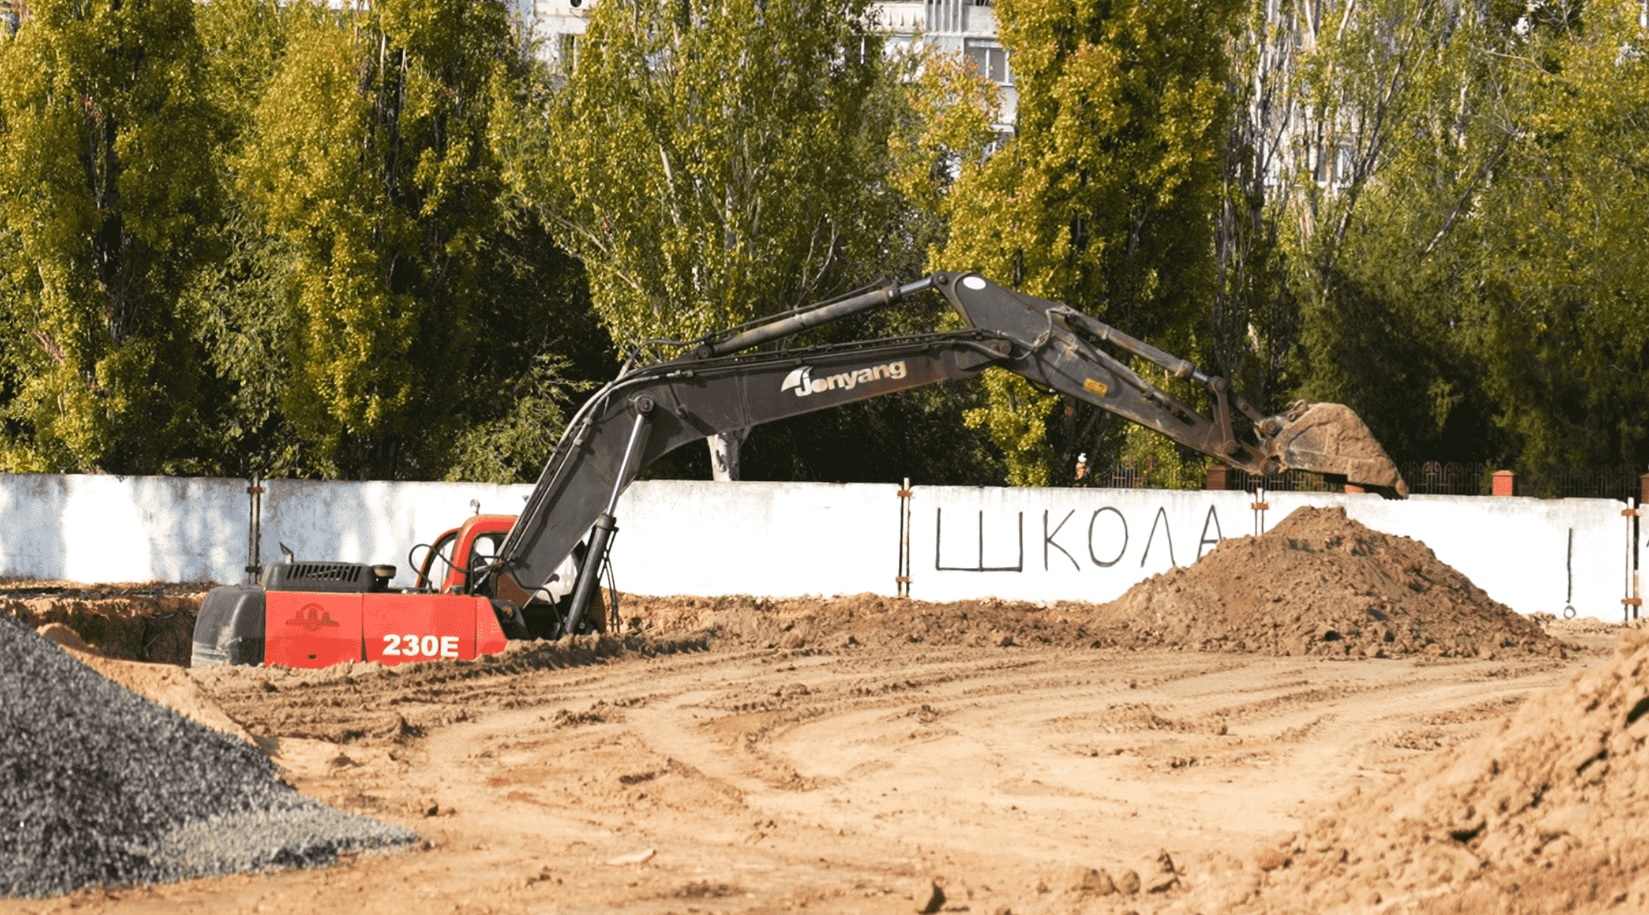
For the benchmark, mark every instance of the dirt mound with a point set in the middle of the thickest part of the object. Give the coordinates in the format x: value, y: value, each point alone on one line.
x: 135, y: 622
x: 1548, y: 812
x: 1320, y: 583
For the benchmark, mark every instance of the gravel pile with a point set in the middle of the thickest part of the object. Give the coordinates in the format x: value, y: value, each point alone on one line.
x: 99, y: 786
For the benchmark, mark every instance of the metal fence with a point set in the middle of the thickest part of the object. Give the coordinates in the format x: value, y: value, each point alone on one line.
x: 1292, y: 481
x: 1147, y: 475
x: 1477, y: 479
x: 1438, y: 478
x: 1618, y: 482
x: 1449, y: 478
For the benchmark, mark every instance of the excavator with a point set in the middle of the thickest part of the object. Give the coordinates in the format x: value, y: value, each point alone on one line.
x: 499, y: 577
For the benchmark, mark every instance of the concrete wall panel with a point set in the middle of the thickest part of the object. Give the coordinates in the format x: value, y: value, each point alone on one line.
x: 1094, y: 544
x: 1060, y: 544
x: 376, y: 522
x: 122, y: 529
x: 782, y: 539
x: 762, y: 539
x: 1518, y: 550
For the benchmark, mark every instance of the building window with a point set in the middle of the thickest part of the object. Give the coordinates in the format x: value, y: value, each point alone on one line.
x: 991, y: 60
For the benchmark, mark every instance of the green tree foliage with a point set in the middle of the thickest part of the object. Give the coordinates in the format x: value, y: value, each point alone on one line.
x: 1254, y: 319
x: 1465, y: 228
x: 107, y: 198
x: 1386, y: 145
x: 1558, y: 288
x: 405, y: 311
x: 252, y: 236
x: 232, y: 302
x: 944, y: 112
x: 713, y: 160
x: 1105, y: 196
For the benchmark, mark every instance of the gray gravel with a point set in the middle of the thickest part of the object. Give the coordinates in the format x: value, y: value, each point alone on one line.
x: 101, y: 786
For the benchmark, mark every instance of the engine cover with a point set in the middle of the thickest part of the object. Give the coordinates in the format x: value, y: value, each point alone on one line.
x: 245, y: 624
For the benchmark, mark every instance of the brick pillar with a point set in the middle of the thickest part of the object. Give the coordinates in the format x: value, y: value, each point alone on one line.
x: 1219, y: 477
x: 1351, y: 488
x: 1505, y: 483
x: 1643, y: 490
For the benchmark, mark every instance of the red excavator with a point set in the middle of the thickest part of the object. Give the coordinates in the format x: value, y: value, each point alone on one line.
x: 501, y: 577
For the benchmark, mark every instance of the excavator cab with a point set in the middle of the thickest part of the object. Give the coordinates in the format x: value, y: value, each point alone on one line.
x: 457, y: 558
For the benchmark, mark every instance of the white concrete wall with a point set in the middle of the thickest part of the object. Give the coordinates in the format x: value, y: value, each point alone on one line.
x: 1060, y: 544
x: 1094, y: 544
x: 376, y: 522
x: 121, y: 529
x: 784, y: 539
x: 762, y: 539
x: 1518, y: 550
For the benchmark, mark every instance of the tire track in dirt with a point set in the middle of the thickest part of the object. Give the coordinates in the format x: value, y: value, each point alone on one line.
x: 763, y: 779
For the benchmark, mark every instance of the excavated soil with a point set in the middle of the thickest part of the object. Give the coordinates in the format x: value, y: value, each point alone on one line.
x: 1548, y: 812
x: 152, y: 621
x: 1172, y: 752
x: 1320, y: 583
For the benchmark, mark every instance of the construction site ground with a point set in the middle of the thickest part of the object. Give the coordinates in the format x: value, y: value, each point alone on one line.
x: 1321, y: 719
x: 727, y: 768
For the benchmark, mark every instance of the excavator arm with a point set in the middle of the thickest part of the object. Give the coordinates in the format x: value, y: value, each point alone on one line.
x: 724, y: 384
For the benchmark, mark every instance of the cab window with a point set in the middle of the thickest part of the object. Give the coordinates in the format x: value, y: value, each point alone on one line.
x: 483, y: 550
x: 438, y: 561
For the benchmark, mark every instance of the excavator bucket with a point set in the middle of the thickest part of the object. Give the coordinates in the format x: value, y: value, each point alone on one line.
x: 1329, y: 438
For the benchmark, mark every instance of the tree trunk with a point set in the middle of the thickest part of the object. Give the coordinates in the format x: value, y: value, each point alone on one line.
x: 724, y: 454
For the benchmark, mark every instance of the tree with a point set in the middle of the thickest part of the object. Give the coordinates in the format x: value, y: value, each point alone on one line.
x: 1104, y: 197
x: 108, y: 198
x: 1254, y: 317
x: 715, y: 160
x: 410, y: 317
x: 1464, y: 227
x: 943, y: 110
x: 1556, y: 295
x: 1389, y: 139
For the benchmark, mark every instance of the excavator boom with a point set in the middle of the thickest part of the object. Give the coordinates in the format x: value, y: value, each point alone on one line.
x: 311, y: 614
x: 725, y: 384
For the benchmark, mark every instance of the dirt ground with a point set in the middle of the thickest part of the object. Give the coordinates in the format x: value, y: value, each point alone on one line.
x: 150, y: 621
x: 1324, y: 718
x: 718, y: 760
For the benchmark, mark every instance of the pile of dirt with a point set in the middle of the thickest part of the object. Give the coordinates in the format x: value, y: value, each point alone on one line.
x: 1320, y: 583
x: 100, y: 786
x: 151, y: 622
x: 1548, y: 812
